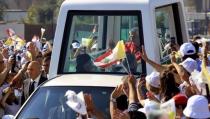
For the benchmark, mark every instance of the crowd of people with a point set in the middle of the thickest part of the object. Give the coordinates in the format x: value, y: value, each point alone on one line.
x: 23, y: 67
x: 177, y: 90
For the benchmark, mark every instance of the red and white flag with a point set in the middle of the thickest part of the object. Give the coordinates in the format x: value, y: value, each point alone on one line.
x: 112, y: 56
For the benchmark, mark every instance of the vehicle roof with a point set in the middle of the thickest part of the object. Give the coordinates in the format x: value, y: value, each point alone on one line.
x: 112, y: 4
x: 85, y: 80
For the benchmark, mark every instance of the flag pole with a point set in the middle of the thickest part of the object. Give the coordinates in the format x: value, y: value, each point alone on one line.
x: 128, y: 64
x: 125, y: 68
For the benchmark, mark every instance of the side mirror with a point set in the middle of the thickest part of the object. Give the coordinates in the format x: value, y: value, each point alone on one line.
x: 8, y: 117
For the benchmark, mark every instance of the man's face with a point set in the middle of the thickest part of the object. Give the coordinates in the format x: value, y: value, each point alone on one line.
x: 33, y: 71
x: 31, y: 47
x: 46, y: 66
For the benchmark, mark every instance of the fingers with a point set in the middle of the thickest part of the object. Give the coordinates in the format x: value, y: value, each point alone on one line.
x: 118, y: 114
x: 132, y: 79
x: 117, y: 91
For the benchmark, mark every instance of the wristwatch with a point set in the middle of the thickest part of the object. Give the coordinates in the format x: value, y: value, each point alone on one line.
x: 113, y: 100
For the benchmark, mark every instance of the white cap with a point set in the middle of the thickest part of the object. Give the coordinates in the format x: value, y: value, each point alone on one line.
x: 8, y: 117
x: 197, y: 107
x: 189, y: 64
x: 76, y: 102
x: 153, y: 79
x: 150, y: 106
x: 187, y: 49
x: 75, y: 45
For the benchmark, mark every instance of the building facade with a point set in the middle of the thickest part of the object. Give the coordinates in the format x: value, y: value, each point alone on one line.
x: 197, y: 17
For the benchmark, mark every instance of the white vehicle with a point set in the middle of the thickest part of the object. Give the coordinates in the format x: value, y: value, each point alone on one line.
x: 155, y: 20
x: 150, y: 22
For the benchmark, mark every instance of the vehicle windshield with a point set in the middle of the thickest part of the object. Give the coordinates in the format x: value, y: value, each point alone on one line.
x: 90, y: 42
x: 53, y: 105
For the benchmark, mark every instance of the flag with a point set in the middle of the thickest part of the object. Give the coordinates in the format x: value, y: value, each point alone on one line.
x: 205, y: 73
x: 87, y: 42
x: 37, y: 42
x: 20, y: 43
x: 170, y: 108
x: 42, y: 32
x: 17, y: 42
x: 8, y: 42
x: 10, y: 32
x: 111, y: 56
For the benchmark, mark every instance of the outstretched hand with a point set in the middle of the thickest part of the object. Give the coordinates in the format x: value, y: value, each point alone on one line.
x: 118, y: 91
x: 131, y: 79
x: 143, y: 53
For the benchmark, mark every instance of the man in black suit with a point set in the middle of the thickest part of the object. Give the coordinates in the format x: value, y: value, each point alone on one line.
x: 34, y: 80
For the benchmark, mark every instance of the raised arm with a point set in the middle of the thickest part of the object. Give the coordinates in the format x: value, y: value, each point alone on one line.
x: 113, y: 104
x: 133, y: 98
x: 156, y: 66
x: 4, y: 73
x: 4, y: 98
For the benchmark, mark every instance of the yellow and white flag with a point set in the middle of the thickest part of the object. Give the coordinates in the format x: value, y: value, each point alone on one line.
x: 112, y: 56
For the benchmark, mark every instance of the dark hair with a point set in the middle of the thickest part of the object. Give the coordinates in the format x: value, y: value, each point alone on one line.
x: 13, y: 57
x: 137, y: 115
x: 193, y: 56
x: 122, y: 102
x: 48, y: 58
x: 168, y: 85
x: 196, y: 37
x: 47, y: 54
x: 196, y: 45
x: 16, y: 101
x: 81, y: 60
x: 180, y: 105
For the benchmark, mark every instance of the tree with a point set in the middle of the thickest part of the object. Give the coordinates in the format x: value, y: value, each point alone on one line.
x: 43, y: 12
x: 3, y: 6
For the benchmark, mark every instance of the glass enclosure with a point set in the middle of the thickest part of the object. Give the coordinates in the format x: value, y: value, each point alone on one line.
x: 53, y: 105
x: 166, y: 32
x: 90, y: 39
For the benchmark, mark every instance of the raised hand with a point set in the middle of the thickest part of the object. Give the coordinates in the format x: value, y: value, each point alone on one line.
x: 118, y: 91
x: 143, y: 54
x: 118, y: 114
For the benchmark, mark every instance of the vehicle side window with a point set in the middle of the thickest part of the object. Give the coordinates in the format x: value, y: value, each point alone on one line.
x: 166, y: 32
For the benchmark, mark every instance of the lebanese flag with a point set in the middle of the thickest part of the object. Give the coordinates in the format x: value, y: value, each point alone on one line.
x: 10, y: 32
x: 111, y: 56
